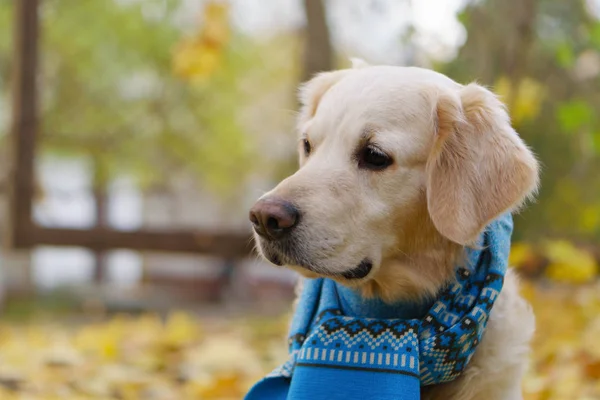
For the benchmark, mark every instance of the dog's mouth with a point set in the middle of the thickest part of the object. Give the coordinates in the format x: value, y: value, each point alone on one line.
x: 361, y: 271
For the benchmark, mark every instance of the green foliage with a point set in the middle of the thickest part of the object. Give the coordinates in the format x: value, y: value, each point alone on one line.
x: 574, y: 115
x: 594, y: 33
x: 6, y: 39
x: 565, y: 56
x: 109, y: 93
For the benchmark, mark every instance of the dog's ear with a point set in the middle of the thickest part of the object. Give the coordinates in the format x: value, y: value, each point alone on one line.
x: 479, y: 167
x: 310, y: 93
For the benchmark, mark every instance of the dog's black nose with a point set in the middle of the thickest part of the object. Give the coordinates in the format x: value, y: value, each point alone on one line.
x: 273, y: 218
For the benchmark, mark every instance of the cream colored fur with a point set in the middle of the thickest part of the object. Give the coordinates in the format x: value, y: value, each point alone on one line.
x: 457, y: 164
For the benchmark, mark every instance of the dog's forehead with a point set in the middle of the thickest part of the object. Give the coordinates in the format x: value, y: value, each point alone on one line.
x: 384, y: 98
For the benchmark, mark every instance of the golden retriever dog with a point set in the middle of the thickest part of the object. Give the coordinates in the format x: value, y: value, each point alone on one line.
x: 400, y: 169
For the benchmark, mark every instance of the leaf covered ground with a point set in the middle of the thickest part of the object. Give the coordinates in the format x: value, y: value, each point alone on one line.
x: 185, y: 357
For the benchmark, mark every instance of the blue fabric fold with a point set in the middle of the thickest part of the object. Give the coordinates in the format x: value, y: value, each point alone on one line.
x: 344, y: 347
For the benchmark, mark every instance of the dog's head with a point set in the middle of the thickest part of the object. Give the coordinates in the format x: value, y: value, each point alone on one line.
x: 394, y: 162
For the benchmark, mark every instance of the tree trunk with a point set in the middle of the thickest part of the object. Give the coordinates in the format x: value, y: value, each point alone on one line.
x: 318, y: 52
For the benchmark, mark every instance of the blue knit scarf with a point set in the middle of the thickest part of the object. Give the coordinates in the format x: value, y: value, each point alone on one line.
x: 343, y: 347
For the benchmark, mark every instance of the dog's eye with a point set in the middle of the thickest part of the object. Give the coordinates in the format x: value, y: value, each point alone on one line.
x: 373, y: 158
x: 307, y: 147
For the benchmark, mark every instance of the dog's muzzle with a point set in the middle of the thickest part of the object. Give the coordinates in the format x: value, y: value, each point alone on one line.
x: 273, y: 220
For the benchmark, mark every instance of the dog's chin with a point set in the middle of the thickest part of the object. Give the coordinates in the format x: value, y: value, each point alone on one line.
x: 272, y: 257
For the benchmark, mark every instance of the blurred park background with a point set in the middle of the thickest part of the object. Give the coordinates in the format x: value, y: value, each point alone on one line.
x: 136, y: 134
